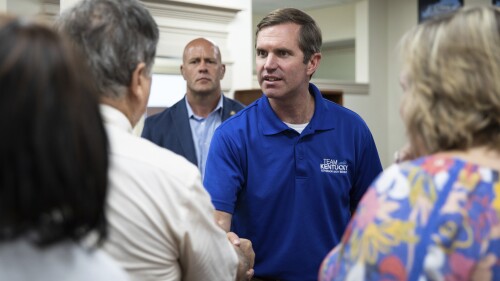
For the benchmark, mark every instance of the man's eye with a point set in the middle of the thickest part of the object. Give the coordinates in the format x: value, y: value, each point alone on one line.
x: 261, y: 53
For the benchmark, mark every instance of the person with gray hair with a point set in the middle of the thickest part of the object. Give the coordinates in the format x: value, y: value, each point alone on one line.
x: 161, y: 220
x: 290, y: 168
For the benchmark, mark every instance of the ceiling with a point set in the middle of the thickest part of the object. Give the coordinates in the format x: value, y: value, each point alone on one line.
x: 265, y: 6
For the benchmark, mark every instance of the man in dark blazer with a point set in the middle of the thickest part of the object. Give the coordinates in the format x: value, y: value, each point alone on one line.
x: 187, y: 127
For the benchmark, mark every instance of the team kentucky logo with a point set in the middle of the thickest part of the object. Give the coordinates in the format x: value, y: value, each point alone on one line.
x: 333, y: 166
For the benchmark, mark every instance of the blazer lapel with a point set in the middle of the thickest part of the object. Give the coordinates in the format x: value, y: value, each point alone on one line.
x: 183, y: 130
x: 227, y: 109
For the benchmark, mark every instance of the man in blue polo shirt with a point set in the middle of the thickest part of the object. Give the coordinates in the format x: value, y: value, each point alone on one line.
x: 288, y: 170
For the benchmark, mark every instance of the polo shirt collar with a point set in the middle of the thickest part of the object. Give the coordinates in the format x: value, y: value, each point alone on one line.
x: 322, y: 118
x: 273, y: 125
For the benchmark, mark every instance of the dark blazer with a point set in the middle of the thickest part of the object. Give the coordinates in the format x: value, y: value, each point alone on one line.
x: 170, y: 128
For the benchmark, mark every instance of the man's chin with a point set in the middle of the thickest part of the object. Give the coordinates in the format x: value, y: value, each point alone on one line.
x: 205, y: 90
x: 272, y: 93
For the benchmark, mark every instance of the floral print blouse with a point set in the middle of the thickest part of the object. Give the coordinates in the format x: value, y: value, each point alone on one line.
x: 434, y: 218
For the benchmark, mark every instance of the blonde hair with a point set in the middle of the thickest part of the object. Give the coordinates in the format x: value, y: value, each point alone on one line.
x: 452, y: 66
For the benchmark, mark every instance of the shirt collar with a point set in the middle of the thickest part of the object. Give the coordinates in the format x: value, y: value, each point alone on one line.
x: 273, y: 125
x: 191, y: 113
x: 115, y: 117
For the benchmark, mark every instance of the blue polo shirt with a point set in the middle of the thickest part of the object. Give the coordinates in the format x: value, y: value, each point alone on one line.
x: 291, y: 194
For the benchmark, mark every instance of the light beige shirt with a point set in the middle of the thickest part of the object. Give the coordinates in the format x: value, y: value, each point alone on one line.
x: 162, y: 224
x: 20, y: 260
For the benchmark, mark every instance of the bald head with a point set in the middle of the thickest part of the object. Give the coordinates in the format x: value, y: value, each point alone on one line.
x: 202, y: 68
x: 204, y: 44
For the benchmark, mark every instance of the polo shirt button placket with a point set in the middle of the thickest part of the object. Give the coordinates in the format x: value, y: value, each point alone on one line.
x: 299, y: 150
x: 300, y: 165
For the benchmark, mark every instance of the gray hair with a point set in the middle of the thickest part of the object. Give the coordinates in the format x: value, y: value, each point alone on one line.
x: 114, y: 36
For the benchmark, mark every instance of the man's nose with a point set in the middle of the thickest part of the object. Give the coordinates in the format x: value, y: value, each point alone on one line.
x: 202, y: 67
x: 271, y: 62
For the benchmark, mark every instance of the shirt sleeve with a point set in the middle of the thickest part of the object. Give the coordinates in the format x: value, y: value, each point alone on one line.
x: 205, y: 251
x: 162, y: 227
x: 368, y: 167
x: 224, y: 172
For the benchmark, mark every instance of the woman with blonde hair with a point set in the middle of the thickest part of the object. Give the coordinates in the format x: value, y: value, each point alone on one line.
x: 437, y: 216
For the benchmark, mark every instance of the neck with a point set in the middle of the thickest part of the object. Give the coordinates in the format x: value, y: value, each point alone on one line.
x: 203, y: 105
x: 124, y: 107
x: 294, y: 111
x: 479, y: 155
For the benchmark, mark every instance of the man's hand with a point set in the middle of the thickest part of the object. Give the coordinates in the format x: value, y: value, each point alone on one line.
x: 246, y: 256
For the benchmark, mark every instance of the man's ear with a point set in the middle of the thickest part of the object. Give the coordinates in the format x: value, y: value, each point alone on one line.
x: 222, y: 71
x: 182, y: 71
x: 137, y: 83
x: 313, y: 63
x: 138, y: 93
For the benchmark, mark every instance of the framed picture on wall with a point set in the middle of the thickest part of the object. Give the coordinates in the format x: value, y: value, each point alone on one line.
x: 430, y: 8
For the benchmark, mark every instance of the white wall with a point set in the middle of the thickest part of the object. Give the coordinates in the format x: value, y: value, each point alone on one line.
x: 337, y: 23
x: 362, y: 44
x: 402, y: 15
x: 22, y: 7
x: 240, y: 45
x: 65, y: 4
x: 373, y: 105
x: 338, y: 28
x: 337, y: 64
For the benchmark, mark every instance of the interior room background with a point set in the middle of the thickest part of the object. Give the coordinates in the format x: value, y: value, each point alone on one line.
x: 359, y: 49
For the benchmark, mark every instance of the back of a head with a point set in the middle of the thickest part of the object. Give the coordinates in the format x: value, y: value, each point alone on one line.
x: 310, y: 39
x: 53, y: 171
x: 452, y: 67
x: 114, y: 36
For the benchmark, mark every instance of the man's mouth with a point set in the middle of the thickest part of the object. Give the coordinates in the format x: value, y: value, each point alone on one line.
x: 271, y: 78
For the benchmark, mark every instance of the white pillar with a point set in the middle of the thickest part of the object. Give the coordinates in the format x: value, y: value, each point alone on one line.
x: 241, y: 47
x: 65, y: 4
x: 3, y: 6
x: 362, y: 50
